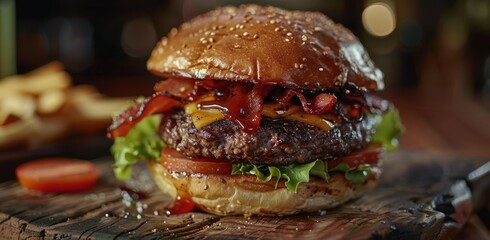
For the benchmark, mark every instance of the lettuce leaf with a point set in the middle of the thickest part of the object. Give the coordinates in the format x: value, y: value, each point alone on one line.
x: 356, y: 176
x: 386, y: 134
x: 389, y: 130
x: 141, y: 143
x: 294, y: 174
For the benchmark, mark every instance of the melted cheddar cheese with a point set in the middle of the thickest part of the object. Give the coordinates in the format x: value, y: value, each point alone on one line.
x: 202, y: 118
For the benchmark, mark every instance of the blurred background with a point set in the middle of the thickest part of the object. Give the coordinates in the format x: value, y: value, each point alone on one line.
x: 435, y: 54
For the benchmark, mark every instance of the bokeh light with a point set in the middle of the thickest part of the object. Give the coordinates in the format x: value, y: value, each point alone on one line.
x: 138, y: 37
x: 379, y: 19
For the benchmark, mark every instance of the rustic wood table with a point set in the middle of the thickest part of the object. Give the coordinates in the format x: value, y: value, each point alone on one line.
x: 402, y: 206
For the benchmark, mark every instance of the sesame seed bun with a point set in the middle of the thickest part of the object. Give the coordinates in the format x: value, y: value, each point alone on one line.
x: 244, y: 194
x: 257, y: 44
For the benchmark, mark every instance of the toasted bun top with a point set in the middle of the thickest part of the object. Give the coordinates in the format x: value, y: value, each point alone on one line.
x: 266, y: 45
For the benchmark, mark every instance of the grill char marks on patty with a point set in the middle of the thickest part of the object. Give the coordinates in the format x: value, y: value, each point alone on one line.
x: 277, y: 142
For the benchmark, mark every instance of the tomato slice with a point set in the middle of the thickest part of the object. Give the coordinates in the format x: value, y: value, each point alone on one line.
x: 57, y: 175
x: 369, y: 155
x: 175, y: 161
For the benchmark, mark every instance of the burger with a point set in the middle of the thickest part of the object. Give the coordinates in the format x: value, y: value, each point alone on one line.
x: 260, y: 111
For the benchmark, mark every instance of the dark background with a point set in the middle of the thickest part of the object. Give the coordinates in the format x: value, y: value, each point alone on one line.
x: 97, y: 39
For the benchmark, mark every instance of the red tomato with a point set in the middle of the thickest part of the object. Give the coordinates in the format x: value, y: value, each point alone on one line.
x: 175, y: 161
x: 182, y: 205
x: 369, y: 155
x: 57, y: 175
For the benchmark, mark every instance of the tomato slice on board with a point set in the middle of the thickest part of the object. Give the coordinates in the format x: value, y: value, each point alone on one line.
x: 175, y: 161
x: 57, y: 175
x: 369, y: 155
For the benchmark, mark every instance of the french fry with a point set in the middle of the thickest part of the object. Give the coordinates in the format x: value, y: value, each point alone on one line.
x: 50, y: 76
x: 19, y: 132
x: 18, y: 105
x: 42, y: 106
x: 51, y: 101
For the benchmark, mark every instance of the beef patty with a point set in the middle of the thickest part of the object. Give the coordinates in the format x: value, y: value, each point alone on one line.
x: 277, y: 142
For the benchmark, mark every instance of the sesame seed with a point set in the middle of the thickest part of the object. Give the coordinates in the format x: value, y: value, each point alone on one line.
x: 272, y: 21
x: 245, y: 34
x: 304, y: 59
x: 325, y: 52
x: 287, y: 39
x: 277, y: 29
x: 211, y: 40
x: 203, y: 40
x: 321, y: 69
x: 301, y: 66
x: 232, y: 29
x: 304, y: 38
x: 296, y: 65
x: 208, y: 46
x: 237, y: 36
x: 255, y: 36
x: 173, y: 31
x: 242, y: 26
x: 316, y: 29
x: 289, y: 34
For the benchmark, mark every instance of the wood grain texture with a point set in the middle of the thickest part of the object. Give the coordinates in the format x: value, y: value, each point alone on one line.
x: 400, y: 207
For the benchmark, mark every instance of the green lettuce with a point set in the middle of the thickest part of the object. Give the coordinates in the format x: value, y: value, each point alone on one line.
x: 356, y: 176
x: 294, y: 174
x: 389, y: 130
x: 141, y: 143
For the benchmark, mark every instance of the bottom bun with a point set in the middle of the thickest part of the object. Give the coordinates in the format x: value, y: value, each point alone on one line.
x: 244, y: 194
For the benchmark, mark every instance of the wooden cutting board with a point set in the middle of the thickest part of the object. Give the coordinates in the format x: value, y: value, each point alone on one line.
x: 400, y: 207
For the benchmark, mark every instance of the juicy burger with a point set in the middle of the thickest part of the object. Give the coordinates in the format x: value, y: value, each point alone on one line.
x: 262, y: 111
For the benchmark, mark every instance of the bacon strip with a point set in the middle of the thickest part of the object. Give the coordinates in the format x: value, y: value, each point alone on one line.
x: 123, y: 122
x: 241, y: 104
x: 179, y: 87
x: 318, y: 105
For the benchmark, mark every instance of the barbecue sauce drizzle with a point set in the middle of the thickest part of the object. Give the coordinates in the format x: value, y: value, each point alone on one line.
x: 242, y: 102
